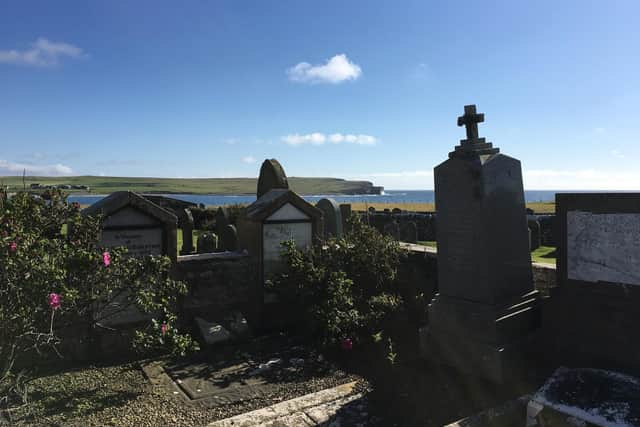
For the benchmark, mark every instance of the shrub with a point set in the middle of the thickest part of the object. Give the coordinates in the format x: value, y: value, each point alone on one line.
x: 54, y: 274
x: 341, y: 290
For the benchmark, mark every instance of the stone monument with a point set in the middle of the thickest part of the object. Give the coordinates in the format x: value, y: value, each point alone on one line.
x: 207, y: 242
x: 486, y: 311
x: 186, y: 224
x: 332, y: 218
x: 272, y: 176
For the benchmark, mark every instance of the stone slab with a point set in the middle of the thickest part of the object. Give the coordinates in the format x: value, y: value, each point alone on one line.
x: 301, y: 411
x: 584, y: 397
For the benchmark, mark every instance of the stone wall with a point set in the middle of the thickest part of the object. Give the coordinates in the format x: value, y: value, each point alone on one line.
x: 425, y: 222
x: 218, y: 284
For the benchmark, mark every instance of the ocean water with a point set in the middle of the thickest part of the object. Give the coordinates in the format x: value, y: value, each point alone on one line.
x: 389, y: 196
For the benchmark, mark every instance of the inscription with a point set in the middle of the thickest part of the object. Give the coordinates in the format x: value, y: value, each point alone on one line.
x: 139, y: 242
x: 603, y: 247
x: 275, y: 234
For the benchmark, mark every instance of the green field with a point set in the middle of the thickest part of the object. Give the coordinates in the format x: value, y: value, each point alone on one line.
x: 106, y: 185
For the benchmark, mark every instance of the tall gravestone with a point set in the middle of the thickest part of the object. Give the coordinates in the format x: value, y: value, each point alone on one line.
x: 332, y: 218
x: 186, y: 224
x: 271, y: 177
x: 486, y: 310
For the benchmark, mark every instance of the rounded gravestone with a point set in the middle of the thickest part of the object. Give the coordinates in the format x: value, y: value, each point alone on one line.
x: 332, y: 218
x: 271, y: 176
x: 222, y: 219
x: 207, y: 243
x: 229, y: 238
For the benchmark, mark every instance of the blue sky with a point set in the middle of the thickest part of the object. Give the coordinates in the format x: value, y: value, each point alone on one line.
x: 353, y: 89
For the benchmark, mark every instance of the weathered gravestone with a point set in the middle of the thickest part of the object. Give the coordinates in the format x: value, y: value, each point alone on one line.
x: 130, y: 220
x: 207, y: 243
x: 409, y: 232
x: 185, y: 222
x: 345, y: 211
x: 271, y: 177
x: 392, y: 228
x: 228, y: 238
x: 144, y: 228
x: 536, y: 236
x: 332, y: 218
x: 592, y: 317
x: 222, y: 219
x: 486, y: 308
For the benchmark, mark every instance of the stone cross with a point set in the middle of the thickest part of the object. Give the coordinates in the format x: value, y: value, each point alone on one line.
x: 470, y: 120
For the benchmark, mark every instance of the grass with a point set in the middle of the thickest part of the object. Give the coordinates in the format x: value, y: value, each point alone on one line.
x: 106, y: 185
x: 544, y: 255
x: 538, y: 207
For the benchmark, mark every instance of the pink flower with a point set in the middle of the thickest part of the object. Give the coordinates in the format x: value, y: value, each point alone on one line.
x: 54, y: 301
x: 164, y: 328
x: 347, y: 344
x: 13, y: 246
x: 106, y: 259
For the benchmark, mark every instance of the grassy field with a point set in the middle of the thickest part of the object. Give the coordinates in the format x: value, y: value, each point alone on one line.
x: 538, y: 207
x: 544, y: 254
x: 106, y: 185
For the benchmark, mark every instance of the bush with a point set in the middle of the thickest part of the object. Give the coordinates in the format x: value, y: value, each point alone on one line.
x: 54, y: 274
x: 341, y: 291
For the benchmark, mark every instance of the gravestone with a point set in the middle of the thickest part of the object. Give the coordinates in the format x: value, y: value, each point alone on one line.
x: 371, y: 210
x: 222, y: 219
x: 409, y: 232
x: 207, y: 243
x: 144, y: 228
x: 486, y: 311
x: 536, y: 236
x: 271, y: 177
x: 131, y: 220
x: 592, y: 316
x: 276, y: 216
x: 229, y: 238
x: 345, y: 211
x: 185, y: 222
x: 396, y: 211
x: 392, y: 228
x: 332, y: 218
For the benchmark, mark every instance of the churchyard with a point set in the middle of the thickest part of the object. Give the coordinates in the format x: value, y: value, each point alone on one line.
x: 288, y: 313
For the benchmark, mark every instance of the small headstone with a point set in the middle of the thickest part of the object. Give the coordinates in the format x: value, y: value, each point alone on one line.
x: 387, y: 211
x: 409, y: 232
x: 536, y: 235
x: 271, y: 177
x: 185, y: 222
x: 392, y: 228
x: 207, y: 243
x: 229, y: 238
x: 396, y: 211
x: 222, y: 219
x: 345, y: 211
x: 332, y: 218
x: 372, y: 210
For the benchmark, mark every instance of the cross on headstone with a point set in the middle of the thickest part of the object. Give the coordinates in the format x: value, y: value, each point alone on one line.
x: 470, y: 120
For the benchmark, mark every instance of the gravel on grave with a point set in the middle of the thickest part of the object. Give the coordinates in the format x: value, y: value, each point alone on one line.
x: 121, y: 395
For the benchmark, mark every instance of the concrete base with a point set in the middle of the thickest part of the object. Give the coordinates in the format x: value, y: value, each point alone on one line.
x: 489, y: 341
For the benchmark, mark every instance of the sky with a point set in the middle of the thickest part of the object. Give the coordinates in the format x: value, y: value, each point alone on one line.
x: 365, y: 90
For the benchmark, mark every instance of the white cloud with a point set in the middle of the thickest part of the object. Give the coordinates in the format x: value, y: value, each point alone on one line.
x: 43, y: 53
x: 249, y: 159
x: 617, y: 153
x: 10, y: 168
x: 337, y: 69
x: 318, y: 138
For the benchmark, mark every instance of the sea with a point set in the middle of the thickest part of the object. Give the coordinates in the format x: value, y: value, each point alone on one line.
x: 389, y: 196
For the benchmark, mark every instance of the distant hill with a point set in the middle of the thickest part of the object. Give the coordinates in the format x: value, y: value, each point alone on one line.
x: 105, y: 185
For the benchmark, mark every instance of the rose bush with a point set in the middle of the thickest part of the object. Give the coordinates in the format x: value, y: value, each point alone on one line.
x: 54, y: 274
x: 341, y: 291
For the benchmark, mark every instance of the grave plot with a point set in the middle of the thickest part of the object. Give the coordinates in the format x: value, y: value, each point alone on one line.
x: 250, y: 376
